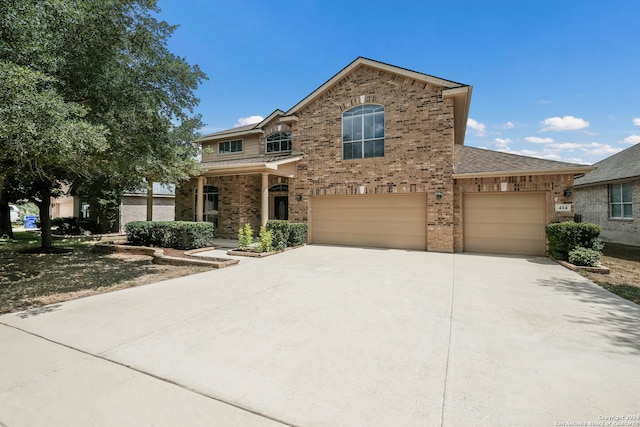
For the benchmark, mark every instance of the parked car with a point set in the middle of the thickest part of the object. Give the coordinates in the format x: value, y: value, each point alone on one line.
x: 14, y: 213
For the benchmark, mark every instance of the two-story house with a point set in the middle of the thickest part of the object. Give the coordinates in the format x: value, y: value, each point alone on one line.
x: 376, y: 157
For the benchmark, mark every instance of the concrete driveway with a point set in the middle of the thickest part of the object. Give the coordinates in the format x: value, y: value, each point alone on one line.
x: 329, y: 336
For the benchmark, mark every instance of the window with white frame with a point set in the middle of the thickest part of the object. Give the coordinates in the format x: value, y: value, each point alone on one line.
x: 228, y: 147
x: 363, y: 132
x: 280, y: 141
x: 620, y: 200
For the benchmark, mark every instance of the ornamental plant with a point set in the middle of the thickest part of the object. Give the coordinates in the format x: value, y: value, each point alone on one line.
x: 245, y: 237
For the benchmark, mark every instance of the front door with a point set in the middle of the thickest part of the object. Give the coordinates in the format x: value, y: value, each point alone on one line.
x: 281, y: 207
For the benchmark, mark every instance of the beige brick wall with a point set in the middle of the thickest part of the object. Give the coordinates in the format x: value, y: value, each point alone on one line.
x: 593, y: 204
x: 418, y: 148
x: 134, y: 208
x: 552, y: 186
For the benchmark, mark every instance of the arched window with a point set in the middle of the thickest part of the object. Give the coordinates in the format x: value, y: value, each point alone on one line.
x: 276, y: 188
x: 277, y: 142
x: 210, y: 205
x: 363, y: 132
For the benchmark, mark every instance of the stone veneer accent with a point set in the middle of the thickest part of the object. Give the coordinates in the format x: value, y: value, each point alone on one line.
x: 593, y: 204
x: 552, y: 185
x: 419, y: 138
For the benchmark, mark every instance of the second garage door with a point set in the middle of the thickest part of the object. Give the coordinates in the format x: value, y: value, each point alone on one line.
x: 384, y: 221
x: 505, y: 223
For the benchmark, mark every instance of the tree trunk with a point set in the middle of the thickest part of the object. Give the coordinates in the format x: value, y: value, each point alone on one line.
x: 45, y: 216
x: 149, y: 200
x: 5, y: 218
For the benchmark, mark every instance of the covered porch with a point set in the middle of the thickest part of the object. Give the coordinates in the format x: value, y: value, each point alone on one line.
x: 241, y: 191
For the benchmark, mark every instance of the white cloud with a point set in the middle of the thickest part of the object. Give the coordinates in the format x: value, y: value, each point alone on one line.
x: 636, y: 121
x: 502, y: 142
x: 538, y: 140
x: 480, y: 129
x: 564, y: 123
x: 598, y: 149
x: 508, y: 125
x: 566, y: 145
x: 633, y: 139
x: 242, y: 121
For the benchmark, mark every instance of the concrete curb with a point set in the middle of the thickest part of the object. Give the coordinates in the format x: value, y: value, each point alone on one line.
x: 160, y: 258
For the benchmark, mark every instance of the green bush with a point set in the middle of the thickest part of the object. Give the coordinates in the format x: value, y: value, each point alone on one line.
x: 66, y: 225
x: 584, y: 257
x: 266, y: 237
x: 566, y: 236
x: 297, y: 233
x: 287, y: 234
x: 171, y: 234
x: 280, y: 230
x: 245, y: 237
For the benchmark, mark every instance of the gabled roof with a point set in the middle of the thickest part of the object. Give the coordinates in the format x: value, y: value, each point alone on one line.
x: 477, y: 162
x: 460, y: 93
x: 620, y: 166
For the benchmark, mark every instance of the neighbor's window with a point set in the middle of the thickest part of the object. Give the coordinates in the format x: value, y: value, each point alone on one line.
x: 280, y: 141
x: 620, y: 201
x: 363, y: 132
x: 227, y: 147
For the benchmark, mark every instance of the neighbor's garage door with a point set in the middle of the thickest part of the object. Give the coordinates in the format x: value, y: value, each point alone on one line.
x: 504, y: 223
x: 384, y: 221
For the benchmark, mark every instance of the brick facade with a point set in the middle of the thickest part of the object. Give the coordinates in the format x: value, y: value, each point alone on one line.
x: 238, y: 201
x: 552, y: 186
x: 418, y: 142
x: 593, y: 204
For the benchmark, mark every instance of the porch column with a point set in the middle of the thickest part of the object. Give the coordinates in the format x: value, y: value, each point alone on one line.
x: 200, y: 204
x: 264, y: 213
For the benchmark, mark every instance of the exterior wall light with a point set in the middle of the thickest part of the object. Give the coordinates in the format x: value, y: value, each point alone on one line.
x: 568, y: 192
x: 438, y: 195
x: 298, y: 197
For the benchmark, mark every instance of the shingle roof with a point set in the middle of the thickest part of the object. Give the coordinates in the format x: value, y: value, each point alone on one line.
x: 622, y: 165
x: 233, y: 130
x: 248, y: 161
x: 478, y: 160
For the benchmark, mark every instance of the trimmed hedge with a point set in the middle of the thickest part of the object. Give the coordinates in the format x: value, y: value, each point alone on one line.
x: 170, y: 234
x: 563, y: 237
x: 287, y: 234
x: 584, y: 257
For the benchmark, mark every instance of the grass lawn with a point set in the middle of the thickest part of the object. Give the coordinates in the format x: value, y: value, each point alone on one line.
x: 624, y: 262
x: 29, y: 280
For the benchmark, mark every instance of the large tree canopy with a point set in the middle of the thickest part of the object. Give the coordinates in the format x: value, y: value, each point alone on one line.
x: 91, y: 91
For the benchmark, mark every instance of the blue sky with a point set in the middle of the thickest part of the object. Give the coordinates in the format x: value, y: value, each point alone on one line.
x: 553, y: 79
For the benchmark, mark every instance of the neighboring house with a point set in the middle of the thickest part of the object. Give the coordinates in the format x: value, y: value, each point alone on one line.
x: 133, y: 206
x: 375, y: 157
x: 610, y: 196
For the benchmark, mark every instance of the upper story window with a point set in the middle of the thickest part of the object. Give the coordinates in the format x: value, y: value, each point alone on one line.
x: 363, y: 132
x: 620, y: 200
x: 280, y: 141
x: 228, y: 147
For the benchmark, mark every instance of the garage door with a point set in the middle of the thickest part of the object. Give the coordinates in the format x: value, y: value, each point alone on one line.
x: 384, y: 221
x: 504, y: 223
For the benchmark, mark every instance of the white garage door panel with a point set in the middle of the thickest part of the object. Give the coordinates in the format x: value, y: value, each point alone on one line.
x: 508, y: 224
x: 388, y: 221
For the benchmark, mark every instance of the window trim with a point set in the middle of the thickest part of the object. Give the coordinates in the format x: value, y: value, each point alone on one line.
x: 364, y: 140
x: 622, y: 203
x: 220, y: 144
x: 279, y: 141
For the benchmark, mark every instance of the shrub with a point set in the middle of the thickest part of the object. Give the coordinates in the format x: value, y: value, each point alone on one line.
x: 245, y: 237
x: 566, y: 236
x: 584, y: 257
x: 280, y: 230
x: 266, y: 237
x: 297, y: 233
x: 67, y: 225
x: 288, y: 234
x: 170, y: 234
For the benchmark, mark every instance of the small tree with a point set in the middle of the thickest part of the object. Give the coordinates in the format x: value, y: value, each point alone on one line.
x: 266, y: 238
